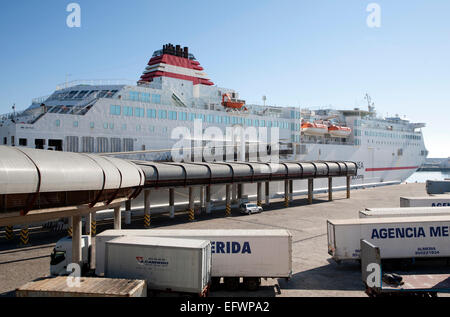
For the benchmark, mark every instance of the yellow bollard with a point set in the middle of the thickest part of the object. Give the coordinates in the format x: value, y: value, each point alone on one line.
x: 93, y: 227
x: 147, y: 221
x: 24, y: 236
x: 9, y: 233
x: 228, y: 211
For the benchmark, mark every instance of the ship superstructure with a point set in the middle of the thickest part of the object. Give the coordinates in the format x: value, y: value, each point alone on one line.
x: 174, y: 91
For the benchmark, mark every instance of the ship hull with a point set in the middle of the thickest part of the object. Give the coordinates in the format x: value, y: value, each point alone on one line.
x: 376, y: 167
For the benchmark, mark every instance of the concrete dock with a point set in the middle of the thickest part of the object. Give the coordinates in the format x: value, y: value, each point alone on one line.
x: 314, y: 273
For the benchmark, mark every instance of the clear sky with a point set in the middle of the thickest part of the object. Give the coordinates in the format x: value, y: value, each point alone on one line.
x: 297, y: 53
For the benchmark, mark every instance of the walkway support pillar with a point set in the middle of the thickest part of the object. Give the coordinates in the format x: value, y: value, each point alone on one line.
x: 348, y: 187
x: 202, y: 198
x: 310, y: 190
x: 93, y: 224
x: 234, y: 194
x: 330, y: 188
x: 117, y: 218
x: 228, y: 200
x: 172, y: 202
x: 93, y: 232
x: 70, y: 227
x: 208, y: 199
x: 240, y: 192
x: 191, y: 204
x: 147, y: 218
x: 286, y: 193
x: 259, y: 194
x: 76, y: 240
x: 87, y: 224
x: 128, y: 212
x: 267, y: 192
x: 291, y: 190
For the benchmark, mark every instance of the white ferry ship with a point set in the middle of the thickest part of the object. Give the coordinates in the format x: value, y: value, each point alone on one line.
x: 173, y: 91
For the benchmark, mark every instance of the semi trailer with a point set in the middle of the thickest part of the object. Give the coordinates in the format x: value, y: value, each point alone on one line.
x: 397, y: 237
x: 426, y: 201
x: 404, y: 212
x: 247, y: 254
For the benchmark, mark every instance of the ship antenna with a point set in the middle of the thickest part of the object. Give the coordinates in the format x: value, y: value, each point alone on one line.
x: 370, y: 104
x: 14, y: 113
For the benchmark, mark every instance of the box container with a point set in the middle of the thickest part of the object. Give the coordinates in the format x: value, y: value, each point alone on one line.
x: 178, y: 265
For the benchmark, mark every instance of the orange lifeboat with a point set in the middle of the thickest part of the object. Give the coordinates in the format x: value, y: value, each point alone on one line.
x: 338, y: 131
x: 315, y: 128
x: 232, y: 103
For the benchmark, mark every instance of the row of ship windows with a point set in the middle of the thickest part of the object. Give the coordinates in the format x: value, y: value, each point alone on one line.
x: 359, y: 123
x: 83, y: 94
x: 392, y: 143
x: 111, y: 126
x: 392, y: 135
x: 144, y: 97
x: 184, y: 116
x: 357, y: 132
x: 138, y: 128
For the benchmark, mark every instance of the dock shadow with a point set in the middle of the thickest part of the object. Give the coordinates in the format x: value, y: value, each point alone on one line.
x: 339, y: 277
x: 263, y: 291
x: 38, y: 239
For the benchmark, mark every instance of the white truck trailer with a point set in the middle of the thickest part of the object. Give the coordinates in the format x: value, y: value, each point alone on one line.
x: 404, y: 212
x: 405, y: 237
x: 167, y: 264
x: 426, y: 201
x: 247, y: 254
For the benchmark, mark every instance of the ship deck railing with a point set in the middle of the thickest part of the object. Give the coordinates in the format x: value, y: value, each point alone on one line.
x: 327, y: 142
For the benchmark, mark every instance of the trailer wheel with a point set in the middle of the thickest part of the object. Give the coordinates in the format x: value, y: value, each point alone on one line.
x: 215, y: 283
x: 231, y: 283
x: 252, y: 283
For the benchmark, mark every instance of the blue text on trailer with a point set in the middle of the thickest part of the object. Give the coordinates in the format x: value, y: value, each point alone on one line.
x: 410, y: 232
x: 230, y: 247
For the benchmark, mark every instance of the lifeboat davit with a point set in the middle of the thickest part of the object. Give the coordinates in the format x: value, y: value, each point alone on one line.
x: 310, y: 128
x: 338, y: 131
x: 232, y: 103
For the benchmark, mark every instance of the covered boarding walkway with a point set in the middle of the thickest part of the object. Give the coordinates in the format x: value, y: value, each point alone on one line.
x: 38, y: 186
